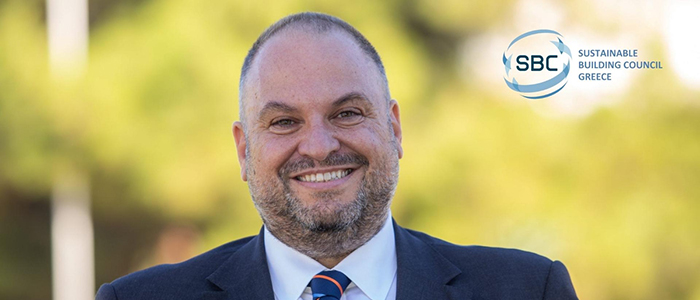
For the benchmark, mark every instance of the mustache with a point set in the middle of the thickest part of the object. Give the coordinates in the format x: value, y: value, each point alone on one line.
x: 334, y: 159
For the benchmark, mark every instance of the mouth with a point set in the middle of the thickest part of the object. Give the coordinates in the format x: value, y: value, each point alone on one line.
x: 325, y: 176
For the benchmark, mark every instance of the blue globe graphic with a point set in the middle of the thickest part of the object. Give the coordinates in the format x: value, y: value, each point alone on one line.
x: 539, y: 83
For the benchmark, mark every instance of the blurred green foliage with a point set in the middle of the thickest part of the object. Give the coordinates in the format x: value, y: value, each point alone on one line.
x: 613, y: 194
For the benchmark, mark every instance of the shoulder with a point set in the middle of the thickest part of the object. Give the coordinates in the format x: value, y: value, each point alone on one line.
x: 199, y: 266
x: 482, y: 256
x: 158, y: 281
x: 501, y: 273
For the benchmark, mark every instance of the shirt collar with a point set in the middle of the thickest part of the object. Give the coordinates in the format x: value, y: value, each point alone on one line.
x: 372, y: 267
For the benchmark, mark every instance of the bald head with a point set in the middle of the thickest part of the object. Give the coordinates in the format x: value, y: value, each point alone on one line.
x: 314, y: 101
x: 300, y: 26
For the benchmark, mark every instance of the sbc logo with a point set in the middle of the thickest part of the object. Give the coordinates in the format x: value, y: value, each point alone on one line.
x: 541, y: 62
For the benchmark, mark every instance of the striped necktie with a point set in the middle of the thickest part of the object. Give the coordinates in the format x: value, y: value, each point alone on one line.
x: 328, y: 285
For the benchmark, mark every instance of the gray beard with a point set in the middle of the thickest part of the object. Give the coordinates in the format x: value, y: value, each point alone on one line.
x: 327, y: 229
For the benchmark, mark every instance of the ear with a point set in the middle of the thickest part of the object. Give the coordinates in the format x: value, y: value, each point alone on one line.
x: 239, y: 137
x: 396, y: 124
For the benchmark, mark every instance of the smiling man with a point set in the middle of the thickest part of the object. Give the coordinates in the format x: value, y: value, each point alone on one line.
x: 319, y: 143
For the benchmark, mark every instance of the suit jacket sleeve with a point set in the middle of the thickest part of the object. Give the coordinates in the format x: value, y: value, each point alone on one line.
x: 106, y: 292
x: 558, y: 284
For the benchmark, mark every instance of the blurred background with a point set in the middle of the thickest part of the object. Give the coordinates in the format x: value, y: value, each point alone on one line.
x: 118, y: 135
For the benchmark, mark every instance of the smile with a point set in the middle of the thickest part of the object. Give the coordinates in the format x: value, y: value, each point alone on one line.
x: 323, y: 177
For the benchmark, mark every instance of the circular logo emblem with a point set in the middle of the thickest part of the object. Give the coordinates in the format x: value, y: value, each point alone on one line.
x: 537, y: 64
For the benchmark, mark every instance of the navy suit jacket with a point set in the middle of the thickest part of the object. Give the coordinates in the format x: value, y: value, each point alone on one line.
x: 428, y: 268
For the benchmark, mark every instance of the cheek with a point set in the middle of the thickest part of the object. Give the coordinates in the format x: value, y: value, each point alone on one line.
x: 270, y: 153
x: 372, y: 142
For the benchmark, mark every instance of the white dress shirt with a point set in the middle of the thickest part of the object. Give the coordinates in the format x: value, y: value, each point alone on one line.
x: 372, y: 268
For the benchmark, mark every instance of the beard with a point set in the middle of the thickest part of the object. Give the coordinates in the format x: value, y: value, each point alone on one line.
x: 327, y: 228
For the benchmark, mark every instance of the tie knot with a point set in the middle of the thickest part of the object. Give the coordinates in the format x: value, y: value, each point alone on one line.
x: 329, y: 285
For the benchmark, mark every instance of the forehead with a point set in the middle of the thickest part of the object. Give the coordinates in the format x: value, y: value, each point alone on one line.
x: 309, y: 69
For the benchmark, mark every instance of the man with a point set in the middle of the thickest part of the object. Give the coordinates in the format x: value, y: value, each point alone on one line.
x: 319, y: 143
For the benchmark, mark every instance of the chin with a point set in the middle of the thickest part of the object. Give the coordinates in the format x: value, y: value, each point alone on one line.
x: 330, y: 215
x: 329, y: 200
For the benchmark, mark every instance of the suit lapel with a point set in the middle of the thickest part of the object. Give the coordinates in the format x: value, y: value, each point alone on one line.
x: 423, y: 273
x: 245, y: 274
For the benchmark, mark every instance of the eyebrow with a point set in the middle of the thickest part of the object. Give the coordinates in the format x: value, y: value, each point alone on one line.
x: 352, y: 96
x: 282, y: 107
x: 275, y: 106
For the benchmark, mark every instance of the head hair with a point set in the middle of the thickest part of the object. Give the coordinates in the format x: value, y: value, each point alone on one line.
x: 311, y: 22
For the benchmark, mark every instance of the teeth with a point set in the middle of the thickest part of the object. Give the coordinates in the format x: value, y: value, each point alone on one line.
x: 323, y: 177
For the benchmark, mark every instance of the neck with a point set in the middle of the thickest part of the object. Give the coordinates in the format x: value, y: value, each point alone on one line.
x: 331, y: 247
x: 330, y: 262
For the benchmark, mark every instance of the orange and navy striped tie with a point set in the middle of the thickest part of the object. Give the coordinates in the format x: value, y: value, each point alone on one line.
x: 328, y: 285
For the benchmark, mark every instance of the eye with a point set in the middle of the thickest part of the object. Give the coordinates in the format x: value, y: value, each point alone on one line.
x: 348, y: 117
x: 347, y: 114
x: 283, y: 125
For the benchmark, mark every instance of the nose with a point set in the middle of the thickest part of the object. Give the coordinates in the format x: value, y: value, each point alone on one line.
x: 318, y: 142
